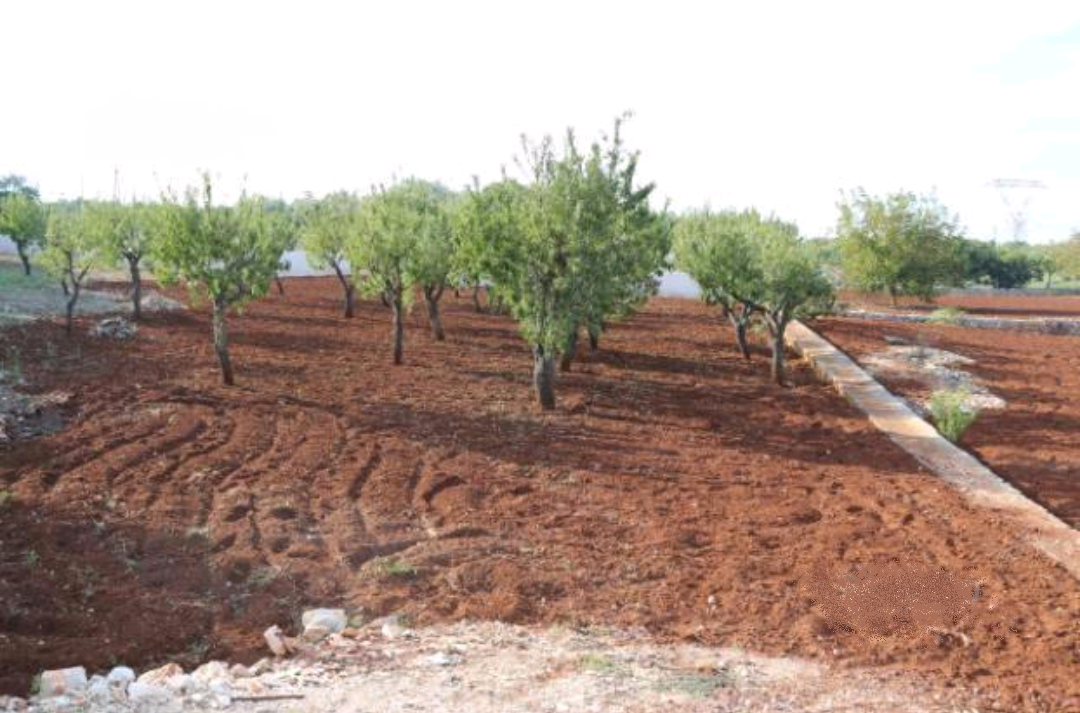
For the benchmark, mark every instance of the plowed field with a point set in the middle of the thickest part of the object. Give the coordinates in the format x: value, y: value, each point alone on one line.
x: 1035, y: 440
x: 675, y: 488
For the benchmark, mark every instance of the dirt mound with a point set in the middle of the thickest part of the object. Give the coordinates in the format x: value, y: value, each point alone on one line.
x: 675, y: 489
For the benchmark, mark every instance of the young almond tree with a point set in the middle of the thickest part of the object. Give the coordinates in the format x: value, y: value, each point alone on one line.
x: 230, y: 254
x: 388, y: 246
x: 126, y: 232
x: 433, y: 255
x: 554, y: 261
x: 327, y: 227
x: 719, y: 251
x: 22, y: 217
x: 73, y: 247
x: 751, y: 265
x: 792, y: 285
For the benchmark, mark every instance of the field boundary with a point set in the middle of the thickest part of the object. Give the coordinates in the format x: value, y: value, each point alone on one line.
x: 1044, y: 325
x: 980, y: 485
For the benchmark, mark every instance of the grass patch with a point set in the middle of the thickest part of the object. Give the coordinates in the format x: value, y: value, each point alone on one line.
x: 951, y: 413
x: 695, y: 685
x: 600, y: 664
x: 6, y: 498
x: 391, y: 567
x: 946, y: 315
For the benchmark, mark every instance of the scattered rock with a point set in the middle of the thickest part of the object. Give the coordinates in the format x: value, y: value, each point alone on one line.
x: 276, y: 641
x: 332, y: 620
x: 442, y: 658
x: 99, y: 692
x: 160, y: 675
x: 142, y: 693
x: 260, y: 667
x: 239, y: 670
x: 391, y: 626
x: 114, y: 328
x: 210, y: 671
x: 63, y: 681
x: 314, y: 634
x: 120, y: 676
x: 12, y: 704
x: 356, y: 620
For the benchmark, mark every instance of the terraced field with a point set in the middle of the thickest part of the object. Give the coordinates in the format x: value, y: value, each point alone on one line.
x: 674, y: 489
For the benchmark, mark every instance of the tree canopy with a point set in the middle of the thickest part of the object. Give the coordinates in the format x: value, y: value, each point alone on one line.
x: 902, y: 243
x: 230, y: 254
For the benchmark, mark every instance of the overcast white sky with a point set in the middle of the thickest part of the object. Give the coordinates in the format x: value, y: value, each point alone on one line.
x: 772, y: 104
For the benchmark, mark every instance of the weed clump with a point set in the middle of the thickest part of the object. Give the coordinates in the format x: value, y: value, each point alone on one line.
x: 952, y: 412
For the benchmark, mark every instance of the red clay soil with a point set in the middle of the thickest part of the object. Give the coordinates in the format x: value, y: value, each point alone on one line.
x: 674, y: 488
x: 997, y: 303
x: 1035, y: 441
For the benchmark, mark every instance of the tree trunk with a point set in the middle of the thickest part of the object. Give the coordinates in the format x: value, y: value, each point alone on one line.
x: 221, y: 343
x: 24, y: 257
x: 431, y: 297
x: 280, y: 285
x: 740, y: 335
x: 569, y: 351
x: 594, y: 339
x: 348, y: 286
x: 136, y: 288
x: 476, y: 298
x: 71, y: 305
x: 544, y: 377
x: 64, y: 286
x: 893, y: 296
x: 778, y: 328
x: 398, y: 307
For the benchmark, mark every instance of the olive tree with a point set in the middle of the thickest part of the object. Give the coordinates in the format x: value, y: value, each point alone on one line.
x: 22, y: 217
x: 73, y: 246
x: 230, y: 254
x: 327, y: 228
x: 902, y: 243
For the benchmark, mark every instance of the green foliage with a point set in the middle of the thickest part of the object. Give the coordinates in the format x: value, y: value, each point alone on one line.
x: 24, y: 220
x: 752, y: 265
x: 1002, y: 267
x: 946, y: 315
x: 73, y: 243
x: 125, y: 230
x: 399, y: 233
x: 576, y: 246
x: 228, y: 253
x: 327, y: 227
x: 902, y: 243
x: 951, y: 413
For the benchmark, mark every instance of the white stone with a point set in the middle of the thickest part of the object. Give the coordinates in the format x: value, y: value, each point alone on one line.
x: 98, y: 691
x: 161, y: 674
x: 260, y: 667
x: 180, y: 683
x: 333, y: 620
x: 316, y: 633
x: 120, y: 676
x: 141, y: 693
x: 210, y: 671
x: 63, y: 681
x: 276, y: 641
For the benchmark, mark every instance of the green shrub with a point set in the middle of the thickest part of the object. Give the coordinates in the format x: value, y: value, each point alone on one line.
x: 947, y: 315
x: 952, y: 415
